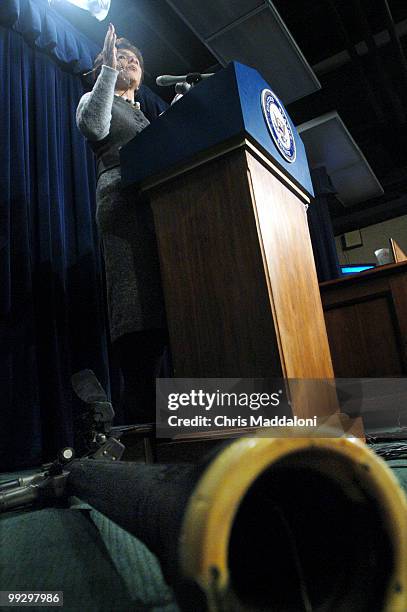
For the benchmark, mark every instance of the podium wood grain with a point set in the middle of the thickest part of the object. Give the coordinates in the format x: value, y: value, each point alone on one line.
x: 215, y: 291
x: 239, y: 278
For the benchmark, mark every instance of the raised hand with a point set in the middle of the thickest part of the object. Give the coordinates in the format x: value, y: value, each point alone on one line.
x: 109, y: 51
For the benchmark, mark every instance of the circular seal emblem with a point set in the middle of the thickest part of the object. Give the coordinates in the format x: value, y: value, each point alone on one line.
x: 278, y: 125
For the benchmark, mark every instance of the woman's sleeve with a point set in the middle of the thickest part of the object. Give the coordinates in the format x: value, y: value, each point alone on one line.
x: 94, y: 111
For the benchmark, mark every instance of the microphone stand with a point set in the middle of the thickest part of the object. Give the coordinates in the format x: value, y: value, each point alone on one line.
x: 103, y: 442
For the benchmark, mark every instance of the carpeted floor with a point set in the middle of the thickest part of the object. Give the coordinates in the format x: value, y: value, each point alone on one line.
x: 98, y: 566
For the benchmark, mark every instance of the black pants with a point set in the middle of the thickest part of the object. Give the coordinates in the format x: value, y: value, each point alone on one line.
x: 142, y: 356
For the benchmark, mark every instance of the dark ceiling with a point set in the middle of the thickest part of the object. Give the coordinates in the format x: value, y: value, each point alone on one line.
x: 369, y: 91
x: 366, y: 84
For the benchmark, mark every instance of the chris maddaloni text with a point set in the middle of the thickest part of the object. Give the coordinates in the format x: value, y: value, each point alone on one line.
x: 253, y: 421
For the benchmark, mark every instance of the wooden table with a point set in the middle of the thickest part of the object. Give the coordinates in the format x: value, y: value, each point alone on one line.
x: 366, y: 320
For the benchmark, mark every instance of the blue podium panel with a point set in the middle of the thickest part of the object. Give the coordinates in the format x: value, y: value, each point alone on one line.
x: 235, y: 102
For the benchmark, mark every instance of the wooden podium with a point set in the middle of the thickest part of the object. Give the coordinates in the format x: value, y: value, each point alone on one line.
x: 238, y: 273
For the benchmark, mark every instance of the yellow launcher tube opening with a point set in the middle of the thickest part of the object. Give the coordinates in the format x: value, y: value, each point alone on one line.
x: 306, y: 538
x: 298, y: 525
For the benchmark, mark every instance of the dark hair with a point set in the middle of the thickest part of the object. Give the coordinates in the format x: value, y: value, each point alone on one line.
x: 121, y: 43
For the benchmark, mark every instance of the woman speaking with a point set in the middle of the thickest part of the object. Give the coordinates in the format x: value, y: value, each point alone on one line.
x: 109, y: 117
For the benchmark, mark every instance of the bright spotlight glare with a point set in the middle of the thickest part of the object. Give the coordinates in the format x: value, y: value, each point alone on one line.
x: 97, y: 8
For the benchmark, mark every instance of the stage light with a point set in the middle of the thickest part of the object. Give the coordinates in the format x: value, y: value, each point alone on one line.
x: 97, y: 8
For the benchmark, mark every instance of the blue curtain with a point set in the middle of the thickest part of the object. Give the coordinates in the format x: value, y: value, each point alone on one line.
x: 320, y: 227
x: 53, y: 320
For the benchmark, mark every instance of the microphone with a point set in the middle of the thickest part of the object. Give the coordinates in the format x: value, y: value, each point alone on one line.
x: 180, y: 90
x: 87, y: 387
x: 193, y: 77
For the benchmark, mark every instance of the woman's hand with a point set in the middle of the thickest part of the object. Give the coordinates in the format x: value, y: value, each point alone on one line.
x: 109, y: 51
